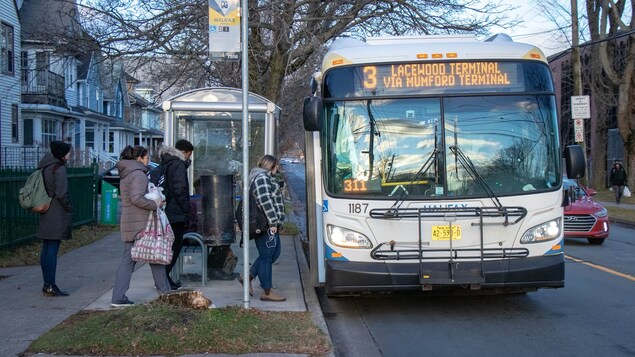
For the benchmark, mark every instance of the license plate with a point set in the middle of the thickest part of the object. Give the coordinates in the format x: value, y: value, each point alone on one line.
x: 443, y: 232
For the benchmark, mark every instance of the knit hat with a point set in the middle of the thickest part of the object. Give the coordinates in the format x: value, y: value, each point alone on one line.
x: 59, y: 149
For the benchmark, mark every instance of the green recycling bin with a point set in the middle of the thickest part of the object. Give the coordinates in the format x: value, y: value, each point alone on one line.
x: 109, y: 203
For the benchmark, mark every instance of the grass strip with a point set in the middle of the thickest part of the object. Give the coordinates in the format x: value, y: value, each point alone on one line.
x: 160, y: 329
x: 29, y: 254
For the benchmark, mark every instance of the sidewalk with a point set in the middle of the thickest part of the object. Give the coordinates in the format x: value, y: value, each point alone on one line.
x: 628, y: 206
x: 88, y: 275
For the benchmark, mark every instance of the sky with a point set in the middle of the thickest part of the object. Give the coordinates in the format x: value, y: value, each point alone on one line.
x: 536, y: 29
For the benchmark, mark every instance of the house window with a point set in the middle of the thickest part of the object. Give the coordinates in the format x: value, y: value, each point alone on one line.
x: 6, y: 49
x: 25, y: 67
x: 77, y: 141
x: 90, y: 134
x: 42, y: 67
x: 14, y: 123
x: 49, y: 130
x: 28, y: 131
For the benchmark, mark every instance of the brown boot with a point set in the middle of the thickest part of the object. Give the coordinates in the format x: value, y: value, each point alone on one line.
x: 272, y: 297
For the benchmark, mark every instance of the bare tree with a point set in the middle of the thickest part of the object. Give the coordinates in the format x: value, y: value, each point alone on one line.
x: 608, y: 59
x: 284, y: 36
x: 616, y: 60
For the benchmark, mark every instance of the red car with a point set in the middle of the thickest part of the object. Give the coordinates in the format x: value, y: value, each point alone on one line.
x: 583, y: 217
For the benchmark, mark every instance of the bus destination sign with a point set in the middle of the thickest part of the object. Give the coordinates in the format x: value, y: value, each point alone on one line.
x: 407, y: 77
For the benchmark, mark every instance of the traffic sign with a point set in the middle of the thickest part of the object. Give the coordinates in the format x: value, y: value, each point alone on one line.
x: 579, y: 130
x: 580, y: 107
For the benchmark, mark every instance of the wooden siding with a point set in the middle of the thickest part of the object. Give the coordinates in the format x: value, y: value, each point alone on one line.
x: 10, y: 84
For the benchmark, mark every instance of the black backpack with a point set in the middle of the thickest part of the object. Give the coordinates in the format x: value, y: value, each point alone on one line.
x: 258, y: 222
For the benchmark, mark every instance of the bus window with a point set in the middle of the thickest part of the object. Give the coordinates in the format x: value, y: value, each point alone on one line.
x: 379, y: 147
x: 508, y: 140
x: 352, y: 143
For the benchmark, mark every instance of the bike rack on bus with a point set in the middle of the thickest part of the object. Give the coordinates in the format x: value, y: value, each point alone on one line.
x: 453, y: 275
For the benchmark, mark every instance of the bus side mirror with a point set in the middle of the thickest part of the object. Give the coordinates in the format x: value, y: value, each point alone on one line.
x: 574, y: 161
x: 312, y: 113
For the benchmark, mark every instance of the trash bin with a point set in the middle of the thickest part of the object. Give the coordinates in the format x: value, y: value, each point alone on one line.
x: 109, y: 203
x: 218, y: 209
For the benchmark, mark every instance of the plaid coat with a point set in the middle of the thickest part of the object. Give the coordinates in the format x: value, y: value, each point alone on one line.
x: 268, y: 196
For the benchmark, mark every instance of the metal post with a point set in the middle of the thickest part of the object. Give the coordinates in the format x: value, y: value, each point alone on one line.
x: 168, y: 124
x: 244, y: 16
x: 577, y: 71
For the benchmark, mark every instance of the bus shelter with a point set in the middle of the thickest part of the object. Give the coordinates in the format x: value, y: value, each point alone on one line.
x: 211, y: 119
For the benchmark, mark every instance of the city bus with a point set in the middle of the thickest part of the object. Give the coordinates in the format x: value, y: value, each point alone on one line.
x: 434, y: 164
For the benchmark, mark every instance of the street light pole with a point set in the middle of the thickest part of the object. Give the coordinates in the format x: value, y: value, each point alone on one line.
x: 244, y: 19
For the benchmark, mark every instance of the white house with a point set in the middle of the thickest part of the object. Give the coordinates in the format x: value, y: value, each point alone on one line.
x: 10, y: 128
x: 70, y: 93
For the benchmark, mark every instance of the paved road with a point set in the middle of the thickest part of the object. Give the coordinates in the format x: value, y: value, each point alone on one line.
x: 589, y: 317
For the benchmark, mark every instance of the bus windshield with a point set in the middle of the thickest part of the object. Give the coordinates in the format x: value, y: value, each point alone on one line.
x: 390, y: 147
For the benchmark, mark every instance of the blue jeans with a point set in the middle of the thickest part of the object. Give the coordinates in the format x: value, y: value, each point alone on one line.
x: 48, y: 260
x: 268, y: 252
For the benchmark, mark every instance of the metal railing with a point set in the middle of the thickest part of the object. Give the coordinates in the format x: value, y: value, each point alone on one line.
x: 103, y: 159
x: 46, y: 88
x: 25, y: 157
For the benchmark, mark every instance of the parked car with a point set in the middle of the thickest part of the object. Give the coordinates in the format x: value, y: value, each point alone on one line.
x: 112, y: 175
x: 583, y: 217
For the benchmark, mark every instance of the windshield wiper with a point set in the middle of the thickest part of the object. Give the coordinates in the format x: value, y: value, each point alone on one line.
x: 471, y: 170
x: 371, y: 141
x: 392, y: 212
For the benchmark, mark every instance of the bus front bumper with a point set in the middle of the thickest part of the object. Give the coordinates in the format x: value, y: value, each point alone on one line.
x: 345, y: 277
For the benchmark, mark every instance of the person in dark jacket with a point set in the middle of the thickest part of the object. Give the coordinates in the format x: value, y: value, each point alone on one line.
x: 174, y: 163
x: 618, y: 179
x: 135, y: 208
x: 54, y: 225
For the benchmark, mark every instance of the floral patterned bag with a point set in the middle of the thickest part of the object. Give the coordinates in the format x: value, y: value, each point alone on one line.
x: 154, y: 243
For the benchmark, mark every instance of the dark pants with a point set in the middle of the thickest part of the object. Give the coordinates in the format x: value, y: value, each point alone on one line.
x: 48, y: 260
x: 179, y: 230
x: 618, y: 190
x: 124, y: 274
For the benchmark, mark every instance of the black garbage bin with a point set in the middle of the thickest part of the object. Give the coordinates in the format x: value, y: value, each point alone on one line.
x: 217, y: 196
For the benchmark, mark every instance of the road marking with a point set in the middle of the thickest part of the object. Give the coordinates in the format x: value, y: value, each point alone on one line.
x: 599, y: 267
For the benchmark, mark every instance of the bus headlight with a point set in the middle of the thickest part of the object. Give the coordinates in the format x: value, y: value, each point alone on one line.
x: 346, y: 238
x: 542, y: 233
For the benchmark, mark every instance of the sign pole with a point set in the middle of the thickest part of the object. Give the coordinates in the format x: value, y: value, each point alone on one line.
x: 580, y: 110
x: 228, y: 20
x: 245, y: 95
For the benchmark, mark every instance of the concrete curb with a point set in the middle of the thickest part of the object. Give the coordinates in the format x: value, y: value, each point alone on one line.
x: 310, y: 297
x: 623, y: 222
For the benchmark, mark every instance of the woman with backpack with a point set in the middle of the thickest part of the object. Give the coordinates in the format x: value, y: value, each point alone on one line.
x: 55, y: 224
x: 268, y: 196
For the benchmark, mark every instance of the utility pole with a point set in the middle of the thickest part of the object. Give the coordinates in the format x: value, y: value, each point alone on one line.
x: 575, y: 50
x: 575, y: 64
